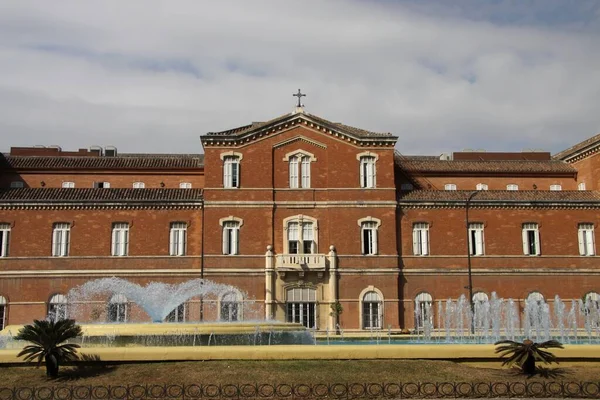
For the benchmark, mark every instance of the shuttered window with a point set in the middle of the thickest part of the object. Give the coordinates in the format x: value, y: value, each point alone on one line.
x: 178, y: 239
x: 120, y: 239
x: 61, y: 232
x: 421, y: 239
x: 367, y: 172
x: 231, y: 230
x: 4, y: 239
x: 369, y: 237
x: 231, y: 172
x: 531, y: 239
x: 587, y: 245
x: 476, y: 246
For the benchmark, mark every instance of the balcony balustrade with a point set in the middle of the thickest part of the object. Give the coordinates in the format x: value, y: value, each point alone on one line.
x: 301, y: 262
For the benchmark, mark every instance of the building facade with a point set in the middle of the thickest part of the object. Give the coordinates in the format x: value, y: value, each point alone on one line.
x: 304, y: 217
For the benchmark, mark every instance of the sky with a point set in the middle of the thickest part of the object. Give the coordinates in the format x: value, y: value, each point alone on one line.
x: 443, y: 76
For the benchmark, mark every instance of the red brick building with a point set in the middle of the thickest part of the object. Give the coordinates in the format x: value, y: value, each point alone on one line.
x: 299, y: 213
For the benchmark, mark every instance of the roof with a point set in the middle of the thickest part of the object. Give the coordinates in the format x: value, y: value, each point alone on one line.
x: 356, y: 132
x: 424, y: 165
x: 123, y: 161
x: 62, y: 195
x: 579, y: 147
x: 545, y: 196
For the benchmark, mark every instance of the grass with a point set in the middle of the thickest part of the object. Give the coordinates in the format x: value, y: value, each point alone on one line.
x: 301, y: 371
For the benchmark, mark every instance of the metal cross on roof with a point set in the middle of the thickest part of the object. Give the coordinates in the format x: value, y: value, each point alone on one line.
x: 299, y: 95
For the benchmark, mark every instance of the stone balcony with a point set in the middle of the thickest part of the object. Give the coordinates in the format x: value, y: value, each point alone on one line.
x: 301, y: 262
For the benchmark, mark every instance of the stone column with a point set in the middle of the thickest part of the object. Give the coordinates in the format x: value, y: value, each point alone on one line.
x: 333, y: 283
x: 269, y: 288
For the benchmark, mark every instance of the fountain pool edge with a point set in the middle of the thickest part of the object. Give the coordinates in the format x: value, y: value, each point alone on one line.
x: 452, y: 352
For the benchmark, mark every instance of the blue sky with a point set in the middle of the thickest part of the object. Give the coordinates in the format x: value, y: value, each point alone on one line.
x: 152, y: 76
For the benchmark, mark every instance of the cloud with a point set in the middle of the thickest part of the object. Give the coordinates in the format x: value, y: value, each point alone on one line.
x: 154, y: 75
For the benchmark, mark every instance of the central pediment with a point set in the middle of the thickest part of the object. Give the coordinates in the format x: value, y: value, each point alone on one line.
x: 257, y: 130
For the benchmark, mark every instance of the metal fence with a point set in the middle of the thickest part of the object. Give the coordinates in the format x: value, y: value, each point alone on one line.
x: 404, y: 390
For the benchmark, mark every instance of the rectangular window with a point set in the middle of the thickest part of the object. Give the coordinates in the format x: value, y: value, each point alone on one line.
x: 369, y: 238
x: 371, y: 315
x: 61, y: 232
x: 16, y: 184
x: 293, y: 238
x: 581, y: 186
x: 185, y: 185
x: 120, y: 239
x: 69, y: 185
x: 367, y: 172
x: 512, y: 186
x: 421, y: 239
x: 230, y: 311
x: 178, y: 239
x: 139, y: 185
x: 587, y: 245
x: 101, y: 185
x: 449, y: 186
x: 178, y: 314
x: 231, y: 172
x: 294, y: 172
x: 302, y: 313
x: 476, y: 247
x: 531, y: 239
x: 4, y: 239
x: 308, y: 238
x: 555, y: 188
x: 231, y: 231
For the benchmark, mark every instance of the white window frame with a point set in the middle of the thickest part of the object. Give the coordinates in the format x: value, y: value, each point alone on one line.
x: 581, y: 186
x: 423, y: 299
x: 367, y: 169
x: 450, y: 186
x: 373, y: 319
x: 512, y: 187
x: 421, y: 239
x: 555, y: 188
x: 305, y: 229
x: 231, y: 234
x: 120, y: 239
x: 301, y: 306
x: 369, y: 238
x: 476, y: 239
x: 68, y: 185
x: 3, y: 308
x: 139, y: 185
x: 482, y: 186
x: 178, y: 314
x: 531, y: 238
x: 231, y: 169
x: 17, y: 184
x: 299, y: 168
x: 4, y: 239
x: 232, y: 304
x: 58, y: 307
x: 586, y: 239
x: 61, y: 235
x: 185, y: 185
x: 178, y: 238
x: 120, y: 304
x: 101, y: 185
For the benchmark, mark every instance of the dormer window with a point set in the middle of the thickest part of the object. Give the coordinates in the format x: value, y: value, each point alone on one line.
x: 299, y: 168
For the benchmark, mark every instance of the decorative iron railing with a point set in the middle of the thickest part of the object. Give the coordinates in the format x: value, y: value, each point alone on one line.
x: 404, y: 390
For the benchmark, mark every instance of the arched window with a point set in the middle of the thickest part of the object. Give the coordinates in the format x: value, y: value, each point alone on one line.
x: 3, y: 307
x: 301, y: 235
x: 301, y: 306
x: 372, y: 310
x: 230, y: 306
x: 423, y: 312
x: 367, y: 169
x: 231, y: 234
x: 57, y: 307
x: 178, y: 314
x: 535, y: 296
x: 118, y: 308
x: 480, y: 297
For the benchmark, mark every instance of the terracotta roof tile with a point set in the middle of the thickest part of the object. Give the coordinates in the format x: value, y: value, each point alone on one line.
x: 51, y: 195
x: 362, y: 133
x: 416, y: 165
x: 125, y: 161
x: 594, y: 140
x: 577, y: 196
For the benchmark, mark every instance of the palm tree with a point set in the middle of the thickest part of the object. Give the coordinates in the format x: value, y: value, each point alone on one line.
x: 48, y: 339
x: 525, y: 354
